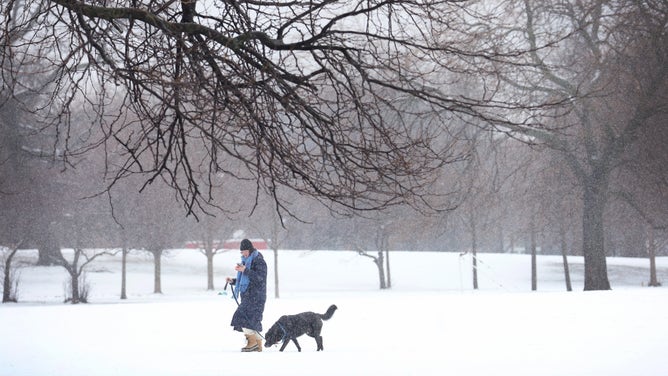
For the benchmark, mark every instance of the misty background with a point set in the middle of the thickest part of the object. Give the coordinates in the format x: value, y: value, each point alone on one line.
x: 566, y: 134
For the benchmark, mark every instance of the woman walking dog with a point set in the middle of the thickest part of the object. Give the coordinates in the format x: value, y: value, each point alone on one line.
x: 251, y: 288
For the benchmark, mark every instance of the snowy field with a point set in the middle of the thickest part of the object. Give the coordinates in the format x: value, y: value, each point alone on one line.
x: 430, y: 323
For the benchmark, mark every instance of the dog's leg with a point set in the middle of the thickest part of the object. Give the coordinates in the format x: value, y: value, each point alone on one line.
x: 285, y: 343
x: 297, y: 344
x: 318, y: 341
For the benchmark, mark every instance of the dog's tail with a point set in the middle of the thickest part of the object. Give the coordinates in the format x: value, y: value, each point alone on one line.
x: 330, y: 312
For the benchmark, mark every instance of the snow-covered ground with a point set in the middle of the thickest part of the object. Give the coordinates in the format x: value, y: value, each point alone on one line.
x: 430, y: 323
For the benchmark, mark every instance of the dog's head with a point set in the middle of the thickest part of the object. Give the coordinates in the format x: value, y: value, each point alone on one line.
x: 273, y: 336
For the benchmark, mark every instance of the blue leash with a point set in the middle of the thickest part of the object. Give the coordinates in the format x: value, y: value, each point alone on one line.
x: 244, y: 313
x: 285, y: 332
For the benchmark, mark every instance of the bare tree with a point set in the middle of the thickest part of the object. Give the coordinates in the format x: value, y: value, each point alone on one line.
x: 642, y: 186
x: 483, y: 178
x: 347, y: 103
x: 297, y: 92
x: 76, y: 267
x: 374, y: 235
x: 212, y: 246
x: 651, y: 253
x: 25, y: 161
x: 81, y: 231
x: 277, y: 233
x: 379, y: 261
x: 209, y: 234
x: 564, y: 255
x: 10, y: 279
x: 154, y: 223
x: 610, y: 73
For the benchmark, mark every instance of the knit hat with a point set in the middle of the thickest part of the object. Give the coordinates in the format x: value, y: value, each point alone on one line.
x: 246, y: 245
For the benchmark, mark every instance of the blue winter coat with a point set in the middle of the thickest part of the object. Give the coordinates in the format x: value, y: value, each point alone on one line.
x: 251, y: 307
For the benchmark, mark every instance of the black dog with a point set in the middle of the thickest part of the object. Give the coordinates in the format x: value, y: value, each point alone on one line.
x: 290, y: 327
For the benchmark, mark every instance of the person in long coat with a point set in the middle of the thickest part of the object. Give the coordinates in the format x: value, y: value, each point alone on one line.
x: 251, y: 290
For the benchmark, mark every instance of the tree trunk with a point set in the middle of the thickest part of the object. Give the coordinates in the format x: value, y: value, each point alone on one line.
x: 7, y: 280
x: 534, y: 271
x: 75, y: 288
x: 209, y: 251
x: 501, y: 245
x: 564, y: 257
x: 74, y: 277
x: 651, y: 245
x: 124, y: 272
x: 381, y: 272
x: 474, y: 253
x: 157, y: 259
x: 209, y: 269
x: 387, y: 263
x: 49, y: 251
x: 276, y: 289
x: 596, y: 271
x: 380, y: 264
